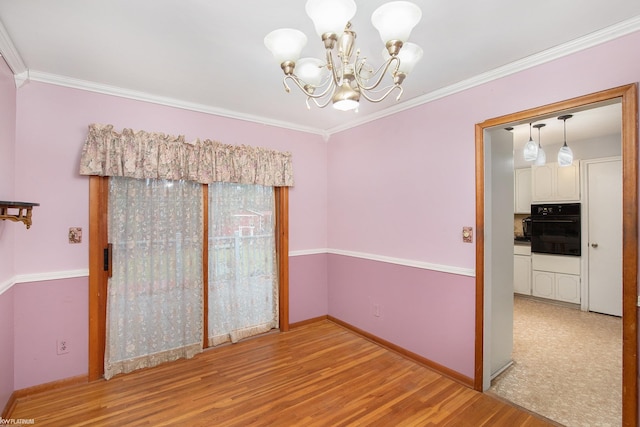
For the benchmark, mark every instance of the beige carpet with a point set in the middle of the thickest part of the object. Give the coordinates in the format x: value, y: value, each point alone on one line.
x: 567, y: 364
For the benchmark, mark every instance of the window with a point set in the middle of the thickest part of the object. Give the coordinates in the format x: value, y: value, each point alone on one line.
x: 256, y: 214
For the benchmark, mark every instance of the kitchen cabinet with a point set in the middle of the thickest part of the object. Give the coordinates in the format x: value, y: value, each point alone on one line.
x: 553, y: 183
x: 556, y: 277
x: 522, y: 269
x: 522, y: 274
x: 522, y: 191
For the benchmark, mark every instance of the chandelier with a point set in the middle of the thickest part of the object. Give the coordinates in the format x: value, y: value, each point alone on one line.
x: 342, y: 80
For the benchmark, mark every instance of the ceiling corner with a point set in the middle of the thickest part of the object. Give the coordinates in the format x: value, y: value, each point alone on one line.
x: 10, y: 53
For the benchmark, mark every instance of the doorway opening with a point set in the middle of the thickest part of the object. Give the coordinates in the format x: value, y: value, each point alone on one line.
x: 627, y: 96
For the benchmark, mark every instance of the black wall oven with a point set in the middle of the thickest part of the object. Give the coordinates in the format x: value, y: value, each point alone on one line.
x: 555, y: 229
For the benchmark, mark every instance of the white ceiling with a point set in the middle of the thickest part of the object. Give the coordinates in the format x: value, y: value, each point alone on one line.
x: 209, y: 55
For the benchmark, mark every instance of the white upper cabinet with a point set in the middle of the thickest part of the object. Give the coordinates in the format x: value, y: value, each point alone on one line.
x: 522, y: 194
x: 552, y: 183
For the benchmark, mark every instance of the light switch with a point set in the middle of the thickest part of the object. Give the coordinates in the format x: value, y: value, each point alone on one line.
x: 467, y: 234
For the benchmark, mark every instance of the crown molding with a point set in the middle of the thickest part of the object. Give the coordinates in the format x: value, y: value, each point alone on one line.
x: 596, y: 38
x: 166, y: 101
x: 12, y: 57
x: 23, y: 75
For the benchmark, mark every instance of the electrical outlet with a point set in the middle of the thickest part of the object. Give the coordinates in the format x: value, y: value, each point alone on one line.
x: 63, y: 346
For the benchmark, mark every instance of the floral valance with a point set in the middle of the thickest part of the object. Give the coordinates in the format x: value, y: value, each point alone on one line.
x: 155, y: 155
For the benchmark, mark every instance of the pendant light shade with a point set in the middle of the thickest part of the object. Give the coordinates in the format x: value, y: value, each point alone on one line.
x: 541, y: 158
x: 530, y: 148
x: 565, y: 155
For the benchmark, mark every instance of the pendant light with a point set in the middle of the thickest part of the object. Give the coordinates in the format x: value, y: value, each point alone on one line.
x: 541, y: 159
x: 565, y: 155
x: 530, y: 148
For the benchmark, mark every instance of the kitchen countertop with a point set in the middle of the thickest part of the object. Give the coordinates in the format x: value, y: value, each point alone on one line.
x: 520, y: 241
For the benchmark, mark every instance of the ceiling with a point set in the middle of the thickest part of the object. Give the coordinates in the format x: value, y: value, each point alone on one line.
x: 209, y: 55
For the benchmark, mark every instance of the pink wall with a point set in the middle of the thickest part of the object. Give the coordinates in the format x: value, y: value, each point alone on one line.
x: 309, y: 297
x: 426, y: 312
x: 385, y: 191
x: 7, y: 347
x: 7, y: 178
x: 8, y: 229
x: 44, y: 313
x: 404, y: 186
x: 52, y: 125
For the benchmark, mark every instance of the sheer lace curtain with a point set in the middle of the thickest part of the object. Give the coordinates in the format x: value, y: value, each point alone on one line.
x: 154, y: 302
x: 243, y: 280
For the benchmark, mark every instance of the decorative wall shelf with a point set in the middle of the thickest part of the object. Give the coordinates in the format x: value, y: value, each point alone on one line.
x: 8, y: 211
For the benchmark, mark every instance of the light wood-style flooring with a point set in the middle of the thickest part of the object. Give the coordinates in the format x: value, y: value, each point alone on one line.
x: 319, y: 374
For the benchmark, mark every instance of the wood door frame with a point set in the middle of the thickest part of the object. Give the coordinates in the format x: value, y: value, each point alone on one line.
x: 98, y: 227
x: 628, y: 95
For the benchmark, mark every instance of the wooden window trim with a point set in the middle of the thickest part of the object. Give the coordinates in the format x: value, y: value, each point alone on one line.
x: 98, y: 227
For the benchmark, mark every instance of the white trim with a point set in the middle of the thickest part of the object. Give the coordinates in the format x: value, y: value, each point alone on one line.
x: 21, y: 79
x: 10, y: 53
x: 5, y: 286
x: 602, y: 36
x: 55, y: 275
x: 308, y: 252
x: 42, y: 277
x: 382, y: 258
x: 607, y: 34
x: 408, y: 262
x: 70, y: 274
x: 161, y: 100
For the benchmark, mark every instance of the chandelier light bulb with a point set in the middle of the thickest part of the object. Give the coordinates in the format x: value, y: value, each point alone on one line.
x: 346, y: 98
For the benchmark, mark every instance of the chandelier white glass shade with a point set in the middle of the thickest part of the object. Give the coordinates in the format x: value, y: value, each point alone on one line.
x: 344, y: 76
x: 530, y: 148
x: 541, y: 158
x: 565, y: 155
x: 285, y: 44
x: 330, y: 16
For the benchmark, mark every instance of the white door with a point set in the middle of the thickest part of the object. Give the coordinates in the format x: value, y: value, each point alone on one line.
x: 605, y: 237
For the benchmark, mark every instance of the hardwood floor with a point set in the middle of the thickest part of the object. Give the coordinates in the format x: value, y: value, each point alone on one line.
x: 315, y: 375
